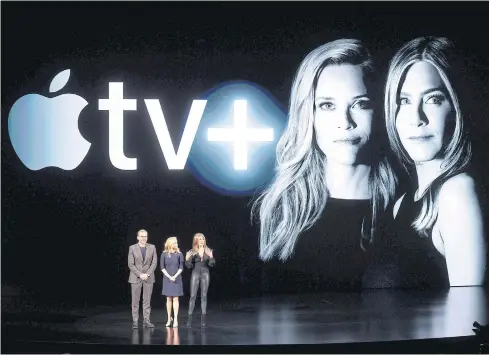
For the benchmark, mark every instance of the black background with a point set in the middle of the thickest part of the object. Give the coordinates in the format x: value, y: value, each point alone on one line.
x: 65, y: 235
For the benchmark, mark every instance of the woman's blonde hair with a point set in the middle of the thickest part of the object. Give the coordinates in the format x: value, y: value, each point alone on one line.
x: 440, y: 53
x: 169, y: 245
x: 195, y: 241
x: 296, y: 198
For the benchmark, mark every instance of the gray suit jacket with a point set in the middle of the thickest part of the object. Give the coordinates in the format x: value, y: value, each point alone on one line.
x: 139, y: 266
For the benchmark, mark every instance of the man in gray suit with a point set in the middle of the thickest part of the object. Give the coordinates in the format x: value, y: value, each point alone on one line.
x: 142, y: 261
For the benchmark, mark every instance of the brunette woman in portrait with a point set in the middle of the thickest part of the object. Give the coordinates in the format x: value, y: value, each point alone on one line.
x: 438, y: 232
x: 171, y: 263
x: 199, y: 259
x: 333, y: 182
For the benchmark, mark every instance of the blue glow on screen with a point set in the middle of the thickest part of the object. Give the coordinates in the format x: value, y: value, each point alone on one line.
x: 212, y: 162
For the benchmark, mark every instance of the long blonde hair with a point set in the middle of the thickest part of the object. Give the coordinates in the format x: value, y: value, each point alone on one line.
x: 195, y: 241
x: 169, y: 246
x: 440, y: 53
x: 296, y: 198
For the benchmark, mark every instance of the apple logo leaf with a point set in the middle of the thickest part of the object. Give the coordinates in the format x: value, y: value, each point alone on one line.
x: 59, y: 81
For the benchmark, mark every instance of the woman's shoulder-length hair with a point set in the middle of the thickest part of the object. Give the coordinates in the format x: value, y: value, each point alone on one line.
x: 168, y: 244
x: 441, y: 53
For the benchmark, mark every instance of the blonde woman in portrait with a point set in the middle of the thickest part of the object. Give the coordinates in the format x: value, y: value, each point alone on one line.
x: 333, y: 182
x: 171, y: 263
x: 438, y: 226
x: 199, y: 259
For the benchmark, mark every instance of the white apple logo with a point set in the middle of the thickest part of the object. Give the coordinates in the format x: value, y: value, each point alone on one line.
x: 44, y: 131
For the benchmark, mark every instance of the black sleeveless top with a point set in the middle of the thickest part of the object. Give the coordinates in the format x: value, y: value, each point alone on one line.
x: 328, y: 256
x: 408, y: 259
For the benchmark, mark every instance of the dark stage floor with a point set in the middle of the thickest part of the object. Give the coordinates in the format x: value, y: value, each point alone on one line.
x: 392, y: 321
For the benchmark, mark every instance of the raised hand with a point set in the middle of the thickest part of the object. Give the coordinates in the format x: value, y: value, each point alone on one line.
x: 189, y: 255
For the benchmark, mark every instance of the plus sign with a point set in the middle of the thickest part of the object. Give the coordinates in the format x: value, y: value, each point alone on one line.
x: 240, y: 135
x: 116, y: 105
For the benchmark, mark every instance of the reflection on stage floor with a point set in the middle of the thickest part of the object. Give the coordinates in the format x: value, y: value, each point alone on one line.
x: 327, y: 318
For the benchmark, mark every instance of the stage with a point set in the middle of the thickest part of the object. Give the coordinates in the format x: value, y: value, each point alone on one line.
x: 388, y: 321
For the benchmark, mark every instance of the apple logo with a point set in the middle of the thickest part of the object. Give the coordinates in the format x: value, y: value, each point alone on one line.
x: 44, y: 131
